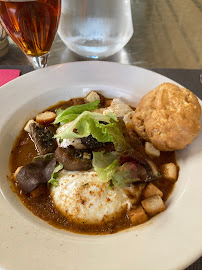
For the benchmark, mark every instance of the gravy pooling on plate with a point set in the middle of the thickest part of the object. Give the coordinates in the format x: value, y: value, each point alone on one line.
x: 81, y: 166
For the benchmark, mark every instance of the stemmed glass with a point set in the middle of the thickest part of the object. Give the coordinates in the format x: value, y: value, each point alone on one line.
x: 32, y: 24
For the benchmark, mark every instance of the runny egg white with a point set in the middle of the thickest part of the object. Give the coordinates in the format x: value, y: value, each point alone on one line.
x: 83, y: 198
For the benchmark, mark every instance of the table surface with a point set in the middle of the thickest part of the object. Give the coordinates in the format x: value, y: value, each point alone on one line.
x: 167, y: 34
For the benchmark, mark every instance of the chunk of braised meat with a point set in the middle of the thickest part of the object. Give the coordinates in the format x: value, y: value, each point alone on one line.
x: 73, y: 159
x: 43, y: 138
x: 92, y: 144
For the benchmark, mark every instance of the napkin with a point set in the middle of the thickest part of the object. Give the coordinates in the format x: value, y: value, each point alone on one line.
x: 7, y: 75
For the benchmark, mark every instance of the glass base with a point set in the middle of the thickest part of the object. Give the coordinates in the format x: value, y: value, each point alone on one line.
x: 39, y: 61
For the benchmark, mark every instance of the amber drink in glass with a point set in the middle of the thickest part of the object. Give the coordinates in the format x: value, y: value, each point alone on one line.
x: 32, y: 25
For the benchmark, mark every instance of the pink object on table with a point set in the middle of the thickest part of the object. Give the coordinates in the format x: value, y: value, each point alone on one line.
x: 7, y: 75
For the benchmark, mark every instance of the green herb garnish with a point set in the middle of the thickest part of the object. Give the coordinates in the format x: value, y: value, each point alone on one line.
x: 54, y: 177
x: 71, y: 113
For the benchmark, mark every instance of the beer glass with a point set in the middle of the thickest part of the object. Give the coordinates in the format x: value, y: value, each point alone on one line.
x: 32, y: 24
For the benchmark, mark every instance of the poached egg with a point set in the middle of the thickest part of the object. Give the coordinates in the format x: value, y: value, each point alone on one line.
x: 81, y: 197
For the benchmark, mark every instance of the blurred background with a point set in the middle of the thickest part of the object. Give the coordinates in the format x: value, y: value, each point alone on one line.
x: 167, y: 34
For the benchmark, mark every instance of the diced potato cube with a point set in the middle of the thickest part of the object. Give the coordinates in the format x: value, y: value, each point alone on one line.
x: 45, y: 118
x: 151, y: 190
x: 153, y: 205
x: 151, y: 150
x: 118, y: 107
x: 26, y: 128
x: 128, y: 120
x: 138, y: 215
x: 92, y: 96
x: 169, y: 171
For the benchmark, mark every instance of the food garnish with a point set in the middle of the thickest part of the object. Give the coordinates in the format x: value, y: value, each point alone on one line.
x: 54, y: 177
x: 105, y: 164
x: 71, y: 113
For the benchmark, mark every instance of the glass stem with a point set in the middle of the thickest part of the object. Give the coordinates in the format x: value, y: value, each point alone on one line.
x: 39, y: 61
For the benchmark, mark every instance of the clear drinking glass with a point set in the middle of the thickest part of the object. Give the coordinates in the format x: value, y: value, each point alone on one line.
x: 95, y: 28
x: 32, y: 24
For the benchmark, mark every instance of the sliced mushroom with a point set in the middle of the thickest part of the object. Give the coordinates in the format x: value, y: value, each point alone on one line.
x: 72, y: 159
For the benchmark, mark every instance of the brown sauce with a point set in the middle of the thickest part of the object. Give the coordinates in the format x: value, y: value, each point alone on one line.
x: 42, y: 206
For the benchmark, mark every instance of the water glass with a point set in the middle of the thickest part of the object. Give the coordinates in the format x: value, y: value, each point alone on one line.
x: 96, y: 28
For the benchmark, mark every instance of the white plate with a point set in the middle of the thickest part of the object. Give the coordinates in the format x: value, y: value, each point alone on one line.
x: 171, y: 240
